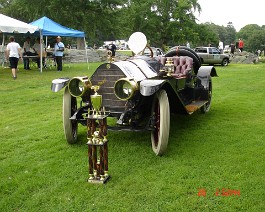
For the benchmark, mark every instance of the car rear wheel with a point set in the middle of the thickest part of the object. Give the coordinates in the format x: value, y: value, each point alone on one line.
x: 206, y: 108
x: 69, y: 108
x: 161, y: 112
x: 225, y: 62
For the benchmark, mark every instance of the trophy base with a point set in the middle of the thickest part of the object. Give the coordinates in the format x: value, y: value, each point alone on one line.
x: 98, y: 180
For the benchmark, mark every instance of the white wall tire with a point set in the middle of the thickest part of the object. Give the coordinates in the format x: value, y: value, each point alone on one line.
x: 161, y: 112
x: 69, y: 107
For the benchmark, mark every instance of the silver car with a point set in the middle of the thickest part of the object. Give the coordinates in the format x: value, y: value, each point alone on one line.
x: 212, y: 55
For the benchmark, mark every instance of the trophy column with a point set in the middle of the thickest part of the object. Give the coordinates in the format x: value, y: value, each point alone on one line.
x: 97, y: 140
x: 97, y: 149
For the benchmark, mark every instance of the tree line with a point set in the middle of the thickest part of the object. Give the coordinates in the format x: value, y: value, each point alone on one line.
x: 164, y: 22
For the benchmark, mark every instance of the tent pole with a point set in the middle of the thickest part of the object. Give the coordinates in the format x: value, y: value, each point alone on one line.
x: 2, y: 50
x: 86, y: 53
x: 3, y: 42
x: 41, y: 45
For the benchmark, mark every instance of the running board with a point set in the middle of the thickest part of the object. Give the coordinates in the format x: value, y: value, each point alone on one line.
x: 190, y: 108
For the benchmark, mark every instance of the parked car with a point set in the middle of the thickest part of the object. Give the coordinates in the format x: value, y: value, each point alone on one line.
x: 140, y: 93
x: 156, y: 51
x: 212, y: 55
x: 227, y: 49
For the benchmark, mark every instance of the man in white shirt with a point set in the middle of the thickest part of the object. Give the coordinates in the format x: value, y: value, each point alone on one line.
x: 13, y: 52
x: 58, y: 53
x: 37, y: 50
x: 221, y: 46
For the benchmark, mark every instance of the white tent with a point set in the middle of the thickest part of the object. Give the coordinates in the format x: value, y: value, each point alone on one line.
x: 11, y: 25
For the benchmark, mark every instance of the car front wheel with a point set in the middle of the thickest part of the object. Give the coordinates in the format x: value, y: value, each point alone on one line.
x: 161, y: 113
x: 69, y: 108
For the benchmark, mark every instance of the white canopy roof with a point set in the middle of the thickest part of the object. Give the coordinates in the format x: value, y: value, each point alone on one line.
x: 11, y: 25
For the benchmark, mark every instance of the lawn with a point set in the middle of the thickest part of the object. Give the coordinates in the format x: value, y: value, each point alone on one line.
x: 214, y: 162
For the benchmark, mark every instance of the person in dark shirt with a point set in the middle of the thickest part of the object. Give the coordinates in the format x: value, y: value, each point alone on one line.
x: 112, y: 47
x: 233, y: 47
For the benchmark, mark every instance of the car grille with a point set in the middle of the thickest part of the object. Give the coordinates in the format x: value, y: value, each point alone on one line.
x: 109, y: 73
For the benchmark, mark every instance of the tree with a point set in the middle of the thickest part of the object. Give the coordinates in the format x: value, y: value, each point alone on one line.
x: 253, y: 37
x: 206, y: 35
x: 165, y: 22
x: 256, y: 42
x: 96, y: 18
x: 230, y: 33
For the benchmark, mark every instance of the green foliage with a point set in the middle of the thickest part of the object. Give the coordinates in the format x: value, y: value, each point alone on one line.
x: 253, y: 36
x: 221, y: 149
x: 211, y: 33
x: 165, y: 22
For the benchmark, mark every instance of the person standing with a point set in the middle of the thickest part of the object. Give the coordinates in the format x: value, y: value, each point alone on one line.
x: 221, y: 46
x: 58, y: 53
x: 26, y: 48
x: 188, y: 44
x: 240, y: 45
x: 112, y: 47
x: 13, y: 52
x: 37, y: 49
x: 233, y: 47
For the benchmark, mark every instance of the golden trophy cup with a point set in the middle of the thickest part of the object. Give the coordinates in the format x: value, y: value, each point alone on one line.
x: 96, y: 100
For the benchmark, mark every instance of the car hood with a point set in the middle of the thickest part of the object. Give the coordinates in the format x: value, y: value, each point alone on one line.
x: 137, y: 69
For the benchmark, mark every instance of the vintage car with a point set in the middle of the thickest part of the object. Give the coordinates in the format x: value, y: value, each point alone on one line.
x: 139, y: 93
x: 212, y: 55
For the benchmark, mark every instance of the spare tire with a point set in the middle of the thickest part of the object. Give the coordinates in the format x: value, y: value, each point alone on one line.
x: 188, y: 49
x: 184, y: 51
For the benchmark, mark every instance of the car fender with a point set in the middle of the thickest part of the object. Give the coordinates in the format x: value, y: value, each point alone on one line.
x: 204, y: 73
x: 149, y: 87
x: 58, y: 84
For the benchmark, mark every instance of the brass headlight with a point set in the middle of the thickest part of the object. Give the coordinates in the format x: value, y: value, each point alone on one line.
x: 125, y: 88
x: 78, y: 86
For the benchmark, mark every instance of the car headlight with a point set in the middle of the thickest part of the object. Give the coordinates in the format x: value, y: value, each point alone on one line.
x: 125, y: 88
x: 78, y: 86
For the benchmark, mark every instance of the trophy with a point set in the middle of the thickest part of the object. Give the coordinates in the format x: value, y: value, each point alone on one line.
x: 97, y: 138
x: 96, y: 100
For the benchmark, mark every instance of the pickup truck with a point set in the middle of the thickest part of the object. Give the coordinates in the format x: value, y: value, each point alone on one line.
x: 212, y: 55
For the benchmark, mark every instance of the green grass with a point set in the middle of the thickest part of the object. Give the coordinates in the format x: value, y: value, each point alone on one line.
x: 224, y: 148
x: 125, y: 52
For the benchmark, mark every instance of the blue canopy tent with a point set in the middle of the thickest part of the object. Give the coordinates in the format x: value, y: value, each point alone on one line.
x: 48, y: 27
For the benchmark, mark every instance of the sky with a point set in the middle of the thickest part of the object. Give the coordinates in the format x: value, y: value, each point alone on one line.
x: 239, y: 12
